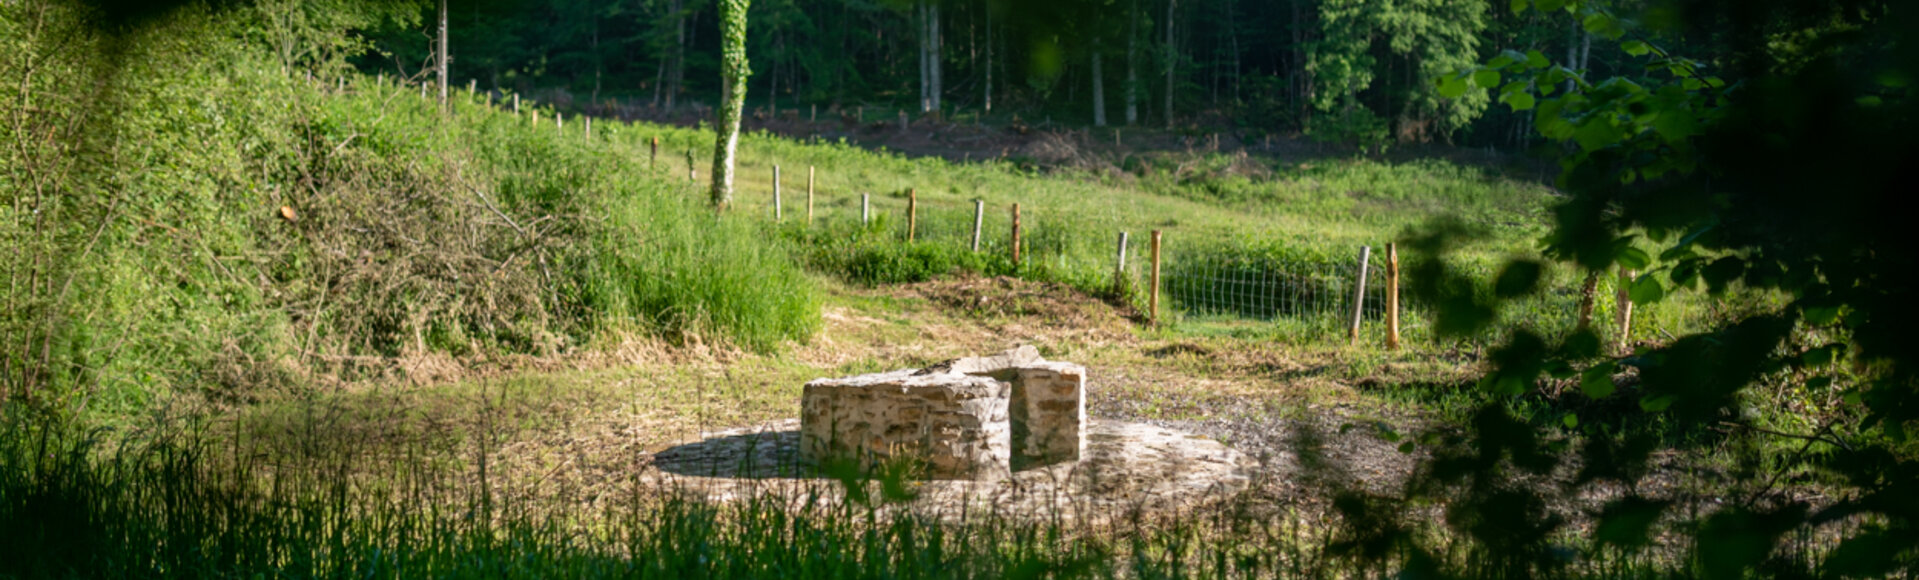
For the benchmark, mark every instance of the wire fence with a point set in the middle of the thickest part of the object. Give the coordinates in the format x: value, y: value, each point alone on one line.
x: 1307, y: 294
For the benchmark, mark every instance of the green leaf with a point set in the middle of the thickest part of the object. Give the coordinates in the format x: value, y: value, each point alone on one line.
x: 1635, y: 47
x: 1486, y: 78
x: 1570, y: 420
x: 1596, y: 133
x: 1536, y: 59
x: 1596, y: 382
x: 1656, y: 404
x: 1604, y: 25
x: 1519, y: 6
x: 1519, y: 101
x: 1549, y: 5
x: 1646, y: 290
x: 1675, y: 126
x: 1406, y: 447
x: 1632, y: 258
x: 1452, y: 87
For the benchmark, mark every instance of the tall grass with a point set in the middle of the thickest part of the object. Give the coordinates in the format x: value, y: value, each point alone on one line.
x: 183, y: 212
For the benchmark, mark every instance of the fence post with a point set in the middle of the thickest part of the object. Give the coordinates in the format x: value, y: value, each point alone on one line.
x: 589, y: 129
x: 903, y: 124
x: 1152, y: 298
x: 813, y: 114
x: 1623, y: 315
x: 559, y: 122
x: 779, y: 209
x: 809, y: 194
x: 1392, y: 296
x: 472, y: 86
x: 1015, y: 236
x: 1359, y: 295
x: 912, y: 212
x: 866, y: 208
x: 516, y: 104
x: 654, y: 159
x: 1119, y: 268
x: 979, y: 218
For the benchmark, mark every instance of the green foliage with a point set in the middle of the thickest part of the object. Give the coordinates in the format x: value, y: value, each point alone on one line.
x: 216, y: 225
x: 1774, y: 176
x: 1428, y: 36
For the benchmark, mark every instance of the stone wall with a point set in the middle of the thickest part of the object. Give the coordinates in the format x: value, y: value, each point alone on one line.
x: 970, y: 418
x: 955, y: 424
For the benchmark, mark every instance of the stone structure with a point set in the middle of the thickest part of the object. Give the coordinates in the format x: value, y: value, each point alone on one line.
x: 970, y: 418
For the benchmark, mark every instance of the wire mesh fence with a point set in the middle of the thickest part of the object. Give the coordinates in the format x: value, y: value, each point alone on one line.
x: 1306, y: 293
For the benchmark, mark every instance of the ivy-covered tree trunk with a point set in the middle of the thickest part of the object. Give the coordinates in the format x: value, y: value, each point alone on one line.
x: 733, y: 75
x: 440, y: 58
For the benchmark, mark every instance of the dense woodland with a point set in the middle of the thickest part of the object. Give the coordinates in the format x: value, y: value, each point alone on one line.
x: 1340, y: 69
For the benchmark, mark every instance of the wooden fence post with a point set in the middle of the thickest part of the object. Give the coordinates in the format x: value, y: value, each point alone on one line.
x: 1392, y: 296
x: 979, y: 219
x: 654, y: 159
x: 1623, y: 315
x: 559, y: 122
x: 1152, y: 296
x: 903, y: 124
x: 866, y: 208
x: 809, y: 194
x: 912, y: 212
x: 589, y: 129
x: 813, y: 114
x: 1015, y: 236
x: 779, y: 209
x: 1359, y: 295
x: 1119, y: 268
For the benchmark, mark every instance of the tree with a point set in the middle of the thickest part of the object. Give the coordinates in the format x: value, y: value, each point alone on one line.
x: 1428, y: 38
x: 1775, y: 168
x: 733, y: 76
x: 441, y: 62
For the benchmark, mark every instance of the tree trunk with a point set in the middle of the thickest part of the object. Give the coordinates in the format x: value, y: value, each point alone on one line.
x: 733, y: 76
x: 925, y: 72
x: 989, y: 56
x: 1132, y: 64
x: 1302, y: 76
x: 440, y: 60
x: 1572, y: 48
x: 677, y: 70
x: 1232, y: 36
x: 934, y: 49
x: 1099, y: 90
x: 1172, y: 58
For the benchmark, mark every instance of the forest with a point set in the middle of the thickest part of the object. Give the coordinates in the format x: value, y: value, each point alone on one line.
x: 1341, y: 69
x: 1090, y: 288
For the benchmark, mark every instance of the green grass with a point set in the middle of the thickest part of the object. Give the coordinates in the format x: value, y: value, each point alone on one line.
x: 220, y: 227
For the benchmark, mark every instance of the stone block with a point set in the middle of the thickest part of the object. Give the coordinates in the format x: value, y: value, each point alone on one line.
x: 968, y: 418
x: 955, y: 424
x: 1048, y: 414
